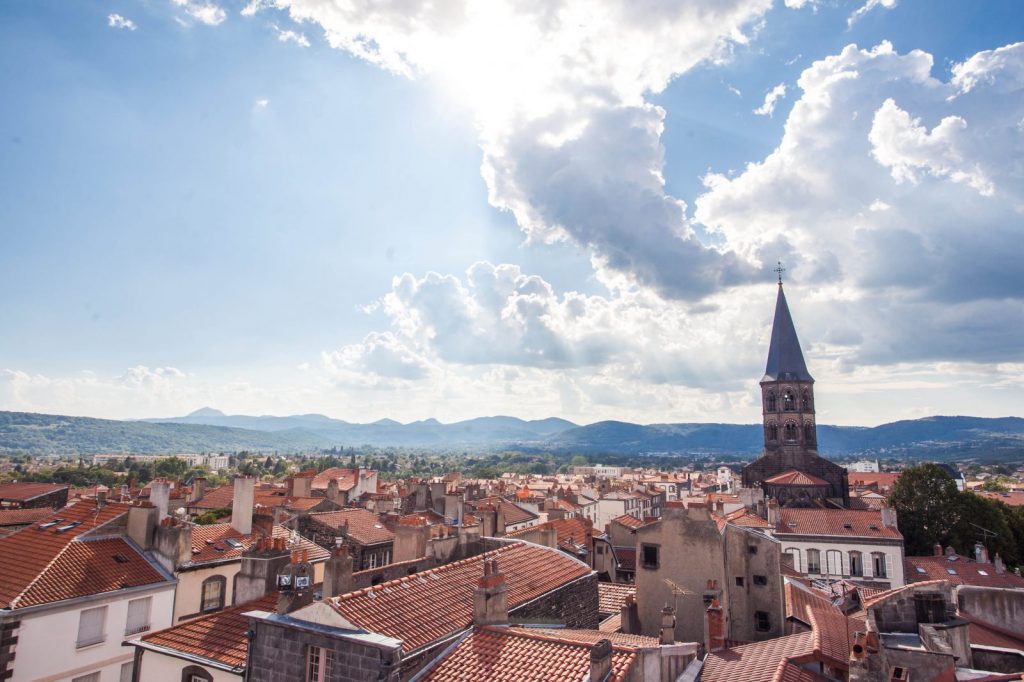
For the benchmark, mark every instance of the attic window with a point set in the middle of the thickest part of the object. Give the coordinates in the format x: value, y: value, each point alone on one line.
x: 873, y: 527
x: 120, y: 558
x: 981, y: 572
x: 848, y: 526
x: 951, y: 571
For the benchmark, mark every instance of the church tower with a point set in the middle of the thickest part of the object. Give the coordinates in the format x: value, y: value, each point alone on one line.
x: 790, y: 469
x: 787, y: 388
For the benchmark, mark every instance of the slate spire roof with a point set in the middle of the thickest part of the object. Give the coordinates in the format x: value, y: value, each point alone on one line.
x: 785, y: 360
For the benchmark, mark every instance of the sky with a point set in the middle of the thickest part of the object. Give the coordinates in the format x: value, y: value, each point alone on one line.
x: 408, y: 209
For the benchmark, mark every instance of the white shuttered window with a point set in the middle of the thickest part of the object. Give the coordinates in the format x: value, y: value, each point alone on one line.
x: 138, y: 616
x: 91, y: 624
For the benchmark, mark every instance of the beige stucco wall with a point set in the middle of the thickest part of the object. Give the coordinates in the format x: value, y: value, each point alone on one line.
x: 46, y: 649
x: 894, y: 566
x: 190, y: 587
x: 160, y: 667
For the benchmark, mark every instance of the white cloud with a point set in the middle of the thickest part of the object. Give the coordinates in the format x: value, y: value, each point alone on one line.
x: 571, y: 146
x: 117, y: 21
x: 256, y: 6
x: 261, y: 103
x: 289, y: 36
x: 734, y: 90
x: 859, y: 13
x: 770, y: 98
x: 203, y: 11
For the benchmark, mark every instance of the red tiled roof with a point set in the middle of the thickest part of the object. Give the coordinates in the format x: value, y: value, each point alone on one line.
x: 757, y: 662
x: 611, y: 596
x: 364, y: 526
x: 880, y: 480
x: 629, y: 521
x: 983, y: 633
x: 799, y: 600
x: 573, y: 531
x: 22, y: 492
x: 209, y: 543
x: 882, y: 596
x: 35, y: 570
x: 591, y: 636
x: 790, y: 672
x: 219, y: 637
x: 23, y: 517
x: 862, y: 523
x: 515, y: 655
x: 832, y: 635
x: 1015, y: 499
x: 794, y: 477
x: 742, y: 517
x: 346, y: 478
x: 966, y: 572
x: 626, y: 556
x: 426, y: 606
x: 513, y: 513
x: 223, y: 497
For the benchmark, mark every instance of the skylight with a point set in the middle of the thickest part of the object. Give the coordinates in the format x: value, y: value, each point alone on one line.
x: 951, y: 571
x: 981, y: 572
x: 921, y: 570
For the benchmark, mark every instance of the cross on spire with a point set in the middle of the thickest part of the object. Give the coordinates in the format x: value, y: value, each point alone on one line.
x: 779, y: 269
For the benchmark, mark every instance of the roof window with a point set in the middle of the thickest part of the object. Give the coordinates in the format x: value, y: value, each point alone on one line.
x: 50, y: 524
x: 61, y: 529
x: 848, y: 526
x: 920, y: 570
x: 981, y: 572
x: 234, y: 543
x: 951, y: 571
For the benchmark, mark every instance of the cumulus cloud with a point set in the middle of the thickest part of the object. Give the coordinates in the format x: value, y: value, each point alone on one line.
x: 933, y: 243
x: 770, y: 98
x: 289, y: 36
x: 117, y: 21
x: 571, y: 146
x: 859, y: 13
x: 380, y: 359
x: 203, y: 11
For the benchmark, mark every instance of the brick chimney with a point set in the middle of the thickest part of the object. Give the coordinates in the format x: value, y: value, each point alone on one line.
x: 629, y: 616
x: 980, y: 553
x: 142, y: 520
x: 888, y: 516
x: 601, y: 661
x: 950, y: 551
x: 997, y: 561
x: 260, y: 565
x: 241, y: 504
x: 773, y: 511
x: 490, y: 599
x: 937, y: 549
x: 338, y: 572
x: 714, y: 627
x: 263, y: 522
x: 668, y: 625
x: 198, y: 489
x: 411, y: 537
x: 295, y: 583
x: 101, y: 496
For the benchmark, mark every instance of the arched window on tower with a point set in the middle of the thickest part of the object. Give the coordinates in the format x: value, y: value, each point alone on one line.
x: 791, y: 432
x: 809, y: 433
x: 772, y: 431
x: 805, y: 401
x: 769, y: 401
x: 788, y: 401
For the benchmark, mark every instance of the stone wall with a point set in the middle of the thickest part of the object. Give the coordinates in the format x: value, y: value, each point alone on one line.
x: 574, y: 606
x: 280, y: 653
x: 1000, y: 607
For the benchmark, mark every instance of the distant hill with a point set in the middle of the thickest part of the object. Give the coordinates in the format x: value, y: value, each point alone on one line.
x: 211, y: 430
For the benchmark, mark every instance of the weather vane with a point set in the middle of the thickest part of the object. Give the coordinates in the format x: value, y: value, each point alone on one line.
x: 779, y: 269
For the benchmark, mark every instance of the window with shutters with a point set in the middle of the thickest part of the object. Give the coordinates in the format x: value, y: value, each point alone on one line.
x: 91, y: 626
x: 762, y: 623
x: 319, y: 665
x: 138, y: 616
x: 835, y: 562
x: 795, y: 553
x: 126, y: 671
x: 213, y: 593
x: 813, y: 561
x: 856, y: 563
x: 878, y: 563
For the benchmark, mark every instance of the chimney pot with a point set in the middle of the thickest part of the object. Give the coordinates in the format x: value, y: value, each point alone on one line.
x: 601, y: 661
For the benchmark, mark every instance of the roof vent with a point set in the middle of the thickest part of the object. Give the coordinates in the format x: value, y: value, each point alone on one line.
x: 791, y: 524
x: 873, y: 527
x: 120, y: 558
x: 848, y: 526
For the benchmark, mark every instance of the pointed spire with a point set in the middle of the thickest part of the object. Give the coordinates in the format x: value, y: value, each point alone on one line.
x: 785, y: 359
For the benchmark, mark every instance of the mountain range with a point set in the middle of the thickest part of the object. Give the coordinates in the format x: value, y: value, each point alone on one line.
x: 209, y: 429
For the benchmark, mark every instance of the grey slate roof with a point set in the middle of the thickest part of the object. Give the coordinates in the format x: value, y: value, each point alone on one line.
x: 785, y: 360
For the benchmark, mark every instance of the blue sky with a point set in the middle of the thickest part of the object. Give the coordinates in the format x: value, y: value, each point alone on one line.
x: 253, y: 207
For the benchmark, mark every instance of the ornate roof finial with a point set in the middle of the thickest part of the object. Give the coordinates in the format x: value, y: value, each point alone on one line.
x: 779, y: 269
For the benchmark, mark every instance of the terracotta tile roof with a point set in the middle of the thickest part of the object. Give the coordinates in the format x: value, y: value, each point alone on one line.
x: 23, y: 492
x: 219, y: 637
x: 611, y: 596
x: 513, y: 513
x: 790, y: 672
x: 863, y: 524
x: 757, y: 662
x: 794, y: 477
x: 882, y: 596
x: 210, y: 543
x: 983, y: 633
x: 591, y: 636
x: 364, y: 526
x: 626, y: 556
x: 23, y: 517
x: 832, y: 634
x: 426, y: 606
x: 223, y: 497
x: 880, y: 480
x: 799, y: 599
x: 515, y: 655
x: 346, y: 478
x: 611, y: 624
x: 629, y: 521
x: 1015, y: 499
x: 570, y: 532
x: 742, y: 517
x: 41, y: 563
x: 966, y: 571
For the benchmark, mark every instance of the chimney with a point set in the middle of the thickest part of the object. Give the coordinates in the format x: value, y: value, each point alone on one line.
x: 714, y: 628
x: 160, y: 496
x: 338, y: 572
x: 411, y: 537
x: 601, y: 661
x: 980, y: 553
x: 101, y: 496
x: 998, y: 562
x: 198, y: 489
x: 142, y: 520
x: 950, y: 551
x: 888, y: 516
x: 773, y: 511
x: 301, y: 484
x: 629, y: 616
x: 241, y: 504
x: 720, y: 507
x: 260, y: 566
x: 937, y: 549
x: 295, y: 583
x: 490, y: 599
x: 263, y: 522
x: 668, y: 625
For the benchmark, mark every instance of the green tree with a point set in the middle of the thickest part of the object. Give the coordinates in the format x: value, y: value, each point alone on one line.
x: 170, y: 467
x: 978, y: 517
x: 927, y: 502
